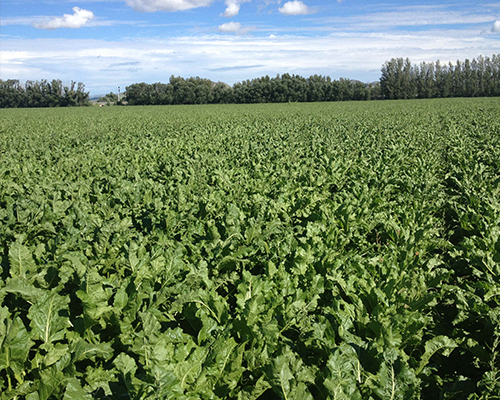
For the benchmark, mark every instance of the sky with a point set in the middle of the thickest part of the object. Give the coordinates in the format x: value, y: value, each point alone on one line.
x: 113, y: 43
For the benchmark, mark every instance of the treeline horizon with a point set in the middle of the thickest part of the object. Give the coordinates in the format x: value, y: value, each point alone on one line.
x: 399, y: 80
x: 281, y: 89
x: 35, y: 94
x: 479, y: 77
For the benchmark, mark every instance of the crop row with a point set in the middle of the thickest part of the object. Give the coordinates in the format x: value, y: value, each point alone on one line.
x: 326, y: 251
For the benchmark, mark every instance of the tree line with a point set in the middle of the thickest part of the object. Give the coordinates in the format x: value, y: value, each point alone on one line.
x: 399, y: 80
x: 109, y: 99
x: 477, y: 78
x: 282, y: 88
x: 42, y: 93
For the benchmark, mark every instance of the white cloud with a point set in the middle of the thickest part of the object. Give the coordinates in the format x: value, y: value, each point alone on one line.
x: 18, y: 21
x: 496, y: 27
x: 102, y: 65
x: 40, y: 21
x: 230, y: 27
x: 408, y: 16
x: 233, y: 8
x: 295, y: 7
x: 234, y: 27
x: 78, y: 19
x: 166, y: 5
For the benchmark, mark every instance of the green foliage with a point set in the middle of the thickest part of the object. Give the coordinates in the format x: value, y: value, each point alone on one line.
x: 109, y: 98
x: 281, y: 89
x: 334, y: 251
x: 402, y: 80
x: 13, y: 94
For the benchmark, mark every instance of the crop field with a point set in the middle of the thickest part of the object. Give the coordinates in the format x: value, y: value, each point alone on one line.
x: 280, y: 251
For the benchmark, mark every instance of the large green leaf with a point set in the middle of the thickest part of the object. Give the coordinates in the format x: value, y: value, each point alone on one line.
x: 53, y: 379
x: 441, y: 344
x: 74, y: 391
x: 81, y: 350
x: 49, y: 320
x: 288, y: 377
x: 15, y: 345
x: 21, y: 260
x: 22, y: 288
x: 344, y: 374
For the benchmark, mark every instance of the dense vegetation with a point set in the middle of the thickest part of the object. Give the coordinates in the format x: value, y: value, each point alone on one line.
x: 295, y: 251
x: 42, y: 94
x: 399, y: 80
x: 110, y: 98
x: 477, y: 78
x: 281, y: 89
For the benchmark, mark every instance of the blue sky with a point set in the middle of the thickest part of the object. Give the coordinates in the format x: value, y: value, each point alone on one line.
x: 110, y: 43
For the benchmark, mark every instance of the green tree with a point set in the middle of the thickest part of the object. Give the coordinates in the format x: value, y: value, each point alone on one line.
x: 390, y: 80
x: 12, y: 94
x: 110, y: 98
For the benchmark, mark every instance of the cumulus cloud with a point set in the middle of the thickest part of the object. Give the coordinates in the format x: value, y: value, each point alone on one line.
x: 234, y: 27
x: 496, y: 27
x: 166, y: 5
x: 233, y: 8
x: 295, y: 7
x: 230, y: 27
x: 78, y: 19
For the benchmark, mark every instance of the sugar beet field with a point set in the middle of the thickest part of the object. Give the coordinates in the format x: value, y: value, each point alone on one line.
x: 294, y: 251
